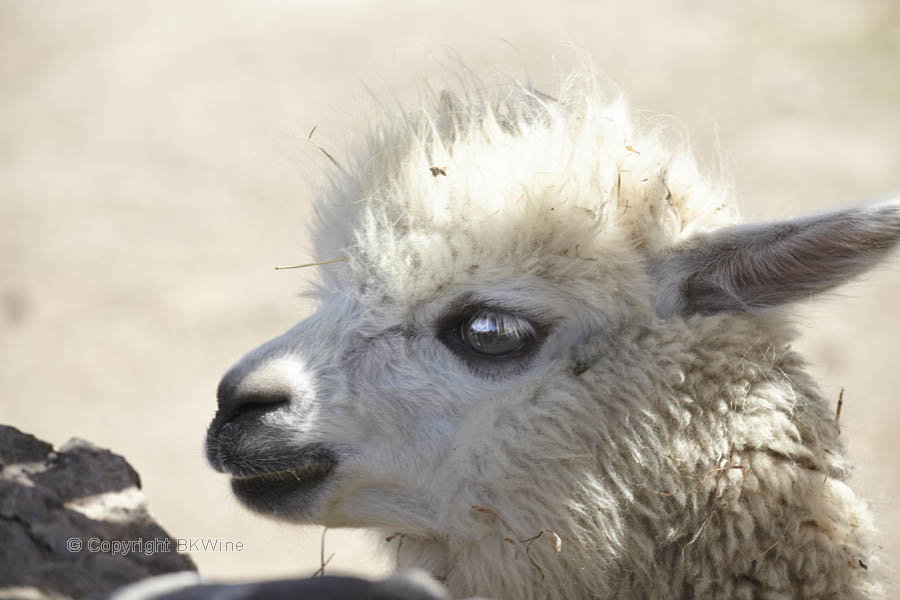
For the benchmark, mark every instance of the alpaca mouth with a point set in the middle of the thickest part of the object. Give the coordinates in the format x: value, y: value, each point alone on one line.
x: 288, y: 480
x: 270, y: 486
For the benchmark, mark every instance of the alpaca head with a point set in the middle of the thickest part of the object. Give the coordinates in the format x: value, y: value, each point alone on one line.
x: 519, y: 326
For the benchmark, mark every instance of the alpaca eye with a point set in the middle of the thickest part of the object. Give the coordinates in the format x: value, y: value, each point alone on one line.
x: 495, y: 333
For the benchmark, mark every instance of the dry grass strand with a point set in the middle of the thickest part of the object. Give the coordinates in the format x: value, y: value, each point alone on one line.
x: 553, y: 537
x: 322, y: 560
x: 315, y: 264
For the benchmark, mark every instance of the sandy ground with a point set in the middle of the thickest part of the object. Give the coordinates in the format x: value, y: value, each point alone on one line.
x: 154, y: 168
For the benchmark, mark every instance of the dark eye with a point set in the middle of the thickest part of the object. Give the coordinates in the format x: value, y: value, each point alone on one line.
x: 496, y: 333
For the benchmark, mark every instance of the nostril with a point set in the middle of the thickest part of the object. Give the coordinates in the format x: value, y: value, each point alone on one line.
x: 249, y: 407
x: 255, y: 407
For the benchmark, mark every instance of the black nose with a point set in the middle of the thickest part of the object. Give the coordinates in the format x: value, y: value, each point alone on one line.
x: 237, y: 404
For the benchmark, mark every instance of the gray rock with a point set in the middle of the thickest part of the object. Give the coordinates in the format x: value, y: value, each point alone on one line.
x: 62, y: 515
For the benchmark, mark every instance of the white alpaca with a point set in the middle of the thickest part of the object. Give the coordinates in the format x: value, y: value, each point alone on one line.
x: 547, y: 324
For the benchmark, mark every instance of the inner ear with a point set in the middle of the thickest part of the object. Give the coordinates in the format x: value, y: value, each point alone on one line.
x: 748, y: 268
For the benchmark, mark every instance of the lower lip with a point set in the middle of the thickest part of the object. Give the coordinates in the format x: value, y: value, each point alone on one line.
x: 265, y: 489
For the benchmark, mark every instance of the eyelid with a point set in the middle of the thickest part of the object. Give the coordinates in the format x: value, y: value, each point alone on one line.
x: 467, y: 304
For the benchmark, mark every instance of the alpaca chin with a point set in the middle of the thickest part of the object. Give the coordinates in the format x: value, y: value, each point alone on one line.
x: 385, y: 509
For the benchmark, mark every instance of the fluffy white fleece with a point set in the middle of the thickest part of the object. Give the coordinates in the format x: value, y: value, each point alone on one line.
x: 664, y: 430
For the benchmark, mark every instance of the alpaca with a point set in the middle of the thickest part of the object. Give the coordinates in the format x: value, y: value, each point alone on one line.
x: 553, y: 364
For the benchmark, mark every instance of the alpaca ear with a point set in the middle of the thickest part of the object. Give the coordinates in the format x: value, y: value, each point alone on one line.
x: 748, y: 268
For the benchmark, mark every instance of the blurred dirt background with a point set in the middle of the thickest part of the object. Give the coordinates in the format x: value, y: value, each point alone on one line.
x: 154, y: 168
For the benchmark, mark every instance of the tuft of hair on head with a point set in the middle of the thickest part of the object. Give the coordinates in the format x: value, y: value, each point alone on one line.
x: 554, y: 169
